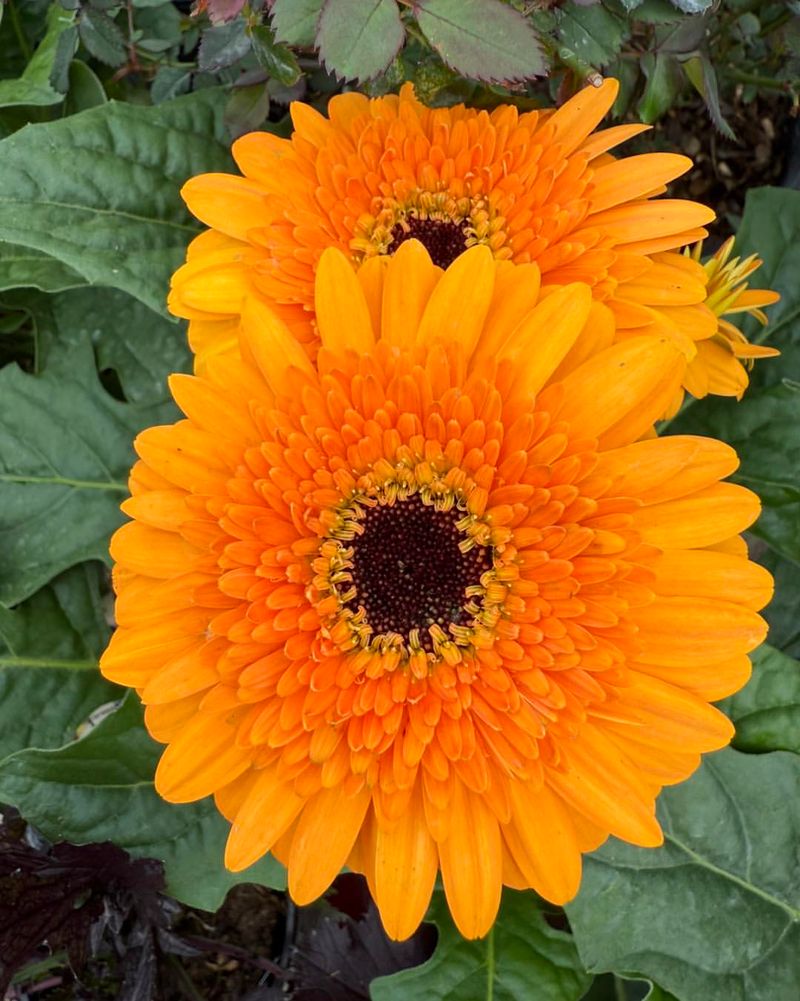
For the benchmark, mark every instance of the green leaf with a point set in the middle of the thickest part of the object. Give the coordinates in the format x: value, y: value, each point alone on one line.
x: 247, y: 109
x: 277, y: 60
x: 34, y: 86
x: 22, y: 267
x: 295, y: 21
x: 520, y: 953
x: 357, y: 39
x: 589, y: 37
x: 704, y: 80
x: 769, y: 228
x: 657, y: 12
x: 223, y: 46
x: 116, y: 216
x: 49, y: 647
x: 142, y: 347
x: 483, y: 39
x: 767, y: 710
x: 85, y: 89
x: 65, y: 452
x: 764, y: 428
x: 664, y: 84
x: 715, y: 912
x: 101, y: 36
x: 781, y: 612
x: 170, y: 82
x: 100, y: 788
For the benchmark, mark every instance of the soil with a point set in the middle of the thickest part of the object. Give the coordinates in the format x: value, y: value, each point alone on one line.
x: 725, y: 169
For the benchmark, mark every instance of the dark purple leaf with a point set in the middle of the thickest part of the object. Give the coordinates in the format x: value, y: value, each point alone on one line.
x: 339, y: 949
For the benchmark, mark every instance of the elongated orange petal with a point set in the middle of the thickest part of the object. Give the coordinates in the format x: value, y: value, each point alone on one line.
x: 342, y: 313
x: 200, y: 760
x: 701, y: 519
x: 311, y: 871
x: 542, y: 842
x: 458, y: 305
x: 472, y: 863
x: 267, y: 811
x: 406, y: 862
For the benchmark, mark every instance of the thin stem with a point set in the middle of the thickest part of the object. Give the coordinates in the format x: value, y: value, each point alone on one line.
x: 619, y: 989
x: 759, y: 81
x: 23, y: 41
x: 184, y: 980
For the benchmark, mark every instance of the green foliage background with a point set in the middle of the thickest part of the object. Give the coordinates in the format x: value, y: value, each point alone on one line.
x: 105, y: 109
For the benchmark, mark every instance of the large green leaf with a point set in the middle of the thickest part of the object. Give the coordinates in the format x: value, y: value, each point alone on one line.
x: 23, y: 267
x: 358, y: 39
x: 49, y: 647
x: 34, y: 87
x: 589, y: 37
x: 781, y: 612
x: 715, y: 912
x: 99, y: 190
x: 764, y: 428
x: 767, y: 710
x: 769, y: 228
x: 100, y: 788
x: 521, y: 957
x: 141, y: 346
x: 295, y: 21
x: 482, y: 39
x: 65, y: 451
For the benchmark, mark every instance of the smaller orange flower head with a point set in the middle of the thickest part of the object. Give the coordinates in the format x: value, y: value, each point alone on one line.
x: 724, y: 356
x: 431, y: 603
x: 538, y: 187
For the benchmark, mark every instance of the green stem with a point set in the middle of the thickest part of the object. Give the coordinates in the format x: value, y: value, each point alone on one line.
x: 759, y: 81
x: 619, y: 989
x: 490, y: 962
x: 23, y: 41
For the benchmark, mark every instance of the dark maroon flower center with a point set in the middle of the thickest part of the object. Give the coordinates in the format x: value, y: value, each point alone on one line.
x: 409, y: 571
x: 443, y: 240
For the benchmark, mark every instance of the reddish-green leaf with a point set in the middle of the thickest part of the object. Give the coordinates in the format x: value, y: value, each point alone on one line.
x: 483, y: 39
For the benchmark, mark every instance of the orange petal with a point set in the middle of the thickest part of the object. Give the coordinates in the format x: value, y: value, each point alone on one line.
x: 633, y: 176
x: 624, y: 388
x: 699, y: 520
x: 459, y: 303
x: 665, y: 468
x: 343, y: 317
x: 542, y: 842
x: 543, y: 339
x: 411, y: 276
x: 472, y: 863
x: 705, y: 574
x: 406, y: 862
x: 694, y: 630
x: 203, y: 758
x: 330, y: 819
x: 267, y: 811
x: 581, y: 114
x: 272, y: 345
x: 230, y: 204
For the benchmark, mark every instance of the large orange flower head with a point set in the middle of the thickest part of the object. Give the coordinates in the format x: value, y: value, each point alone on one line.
x: 535, y: 187
x: 434, y: 601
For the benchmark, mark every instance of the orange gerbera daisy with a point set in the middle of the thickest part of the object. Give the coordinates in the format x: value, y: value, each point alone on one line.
x: 428, y: 603
x: 724, y: 357
x: 535, y: 187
